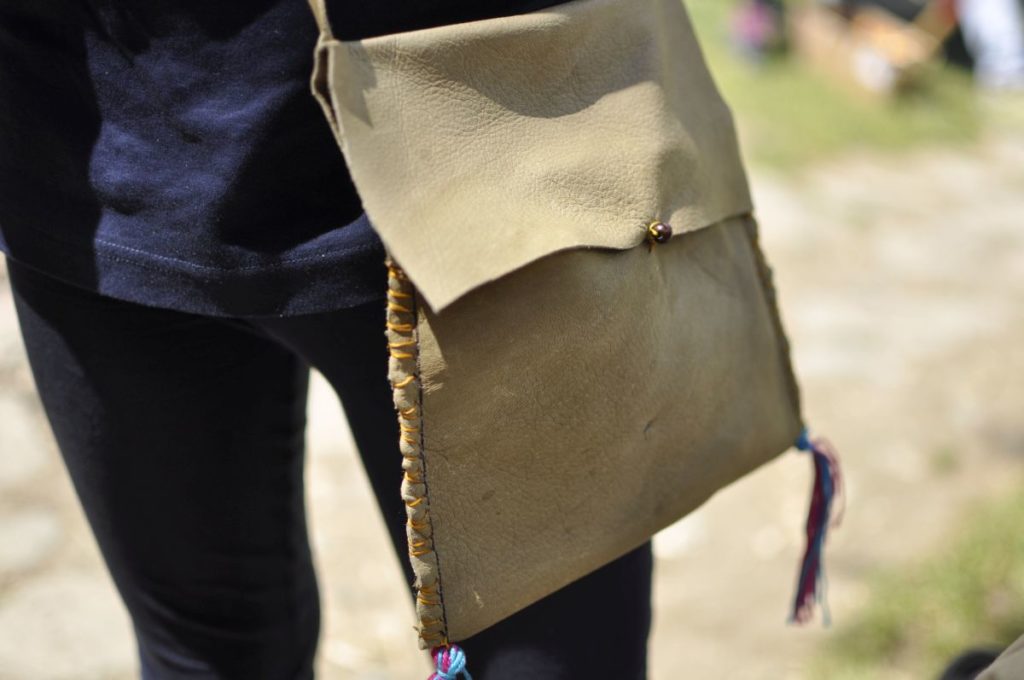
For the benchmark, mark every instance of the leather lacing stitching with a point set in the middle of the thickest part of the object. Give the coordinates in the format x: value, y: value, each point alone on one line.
x: 403, y: 373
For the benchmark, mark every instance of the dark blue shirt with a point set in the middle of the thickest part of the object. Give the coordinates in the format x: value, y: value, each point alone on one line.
x: 169, y: 152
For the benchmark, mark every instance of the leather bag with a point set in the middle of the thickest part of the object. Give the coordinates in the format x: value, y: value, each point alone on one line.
x: 584, y: 339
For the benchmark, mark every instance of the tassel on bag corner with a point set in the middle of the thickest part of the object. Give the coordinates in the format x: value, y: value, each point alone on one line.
x: 810, y: 586
x: 449, y: 663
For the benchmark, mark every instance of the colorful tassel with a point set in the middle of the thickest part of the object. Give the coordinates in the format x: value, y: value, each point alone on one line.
x: 810, y: 586
x: 449, y: 663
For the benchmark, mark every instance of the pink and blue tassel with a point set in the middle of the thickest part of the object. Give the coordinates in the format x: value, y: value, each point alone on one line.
x: 449, y: 663
x: 810, y: 586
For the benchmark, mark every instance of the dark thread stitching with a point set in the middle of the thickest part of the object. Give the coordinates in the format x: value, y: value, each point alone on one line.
x: 426, y: 486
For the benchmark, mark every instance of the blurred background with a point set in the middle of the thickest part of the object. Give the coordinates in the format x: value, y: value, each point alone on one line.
x: 885, y: 145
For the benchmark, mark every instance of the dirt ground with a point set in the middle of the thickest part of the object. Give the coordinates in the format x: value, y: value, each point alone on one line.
x: 901, y: 282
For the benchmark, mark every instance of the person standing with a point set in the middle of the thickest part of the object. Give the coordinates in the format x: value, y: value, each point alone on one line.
x: 183, y: 244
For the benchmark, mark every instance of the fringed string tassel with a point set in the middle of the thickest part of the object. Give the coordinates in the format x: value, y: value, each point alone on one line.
x: 810, y: 586
x: 449, y: 663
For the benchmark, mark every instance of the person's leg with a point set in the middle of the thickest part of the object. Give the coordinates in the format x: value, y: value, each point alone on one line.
x: 184, y: 437
x: 597, y: 627
x: 994, y: 33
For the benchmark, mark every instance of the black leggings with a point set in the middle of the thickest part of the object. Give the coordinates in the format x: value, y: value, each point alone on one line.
x: 184, y: 438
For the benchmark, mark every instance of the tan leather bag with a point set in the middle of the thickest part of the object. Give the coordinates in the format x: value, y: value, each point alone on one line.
x: 1009, y: 665
x: 570, y: 377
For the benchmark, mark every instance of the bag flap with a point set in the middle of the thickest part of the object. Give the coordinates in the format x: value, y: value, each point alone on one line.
x: 481, y: 146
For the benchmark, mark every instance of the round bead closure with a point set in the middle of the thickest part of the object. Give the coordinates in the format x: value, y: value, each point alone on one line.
x: 659, y: 232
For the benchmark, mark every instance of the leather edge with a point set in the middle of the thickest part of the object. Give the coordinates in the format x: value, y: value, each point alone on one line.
x: 770, y: 298
x: 404, y: 375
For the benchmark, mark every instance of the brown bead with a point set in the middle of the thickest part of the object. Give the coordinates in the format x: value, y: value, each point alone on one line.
x: 659, y: 232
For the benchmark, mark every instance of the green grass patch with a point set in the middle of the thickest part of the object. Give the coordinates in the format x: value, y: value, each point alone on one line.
x: 917, y: 619
x: 789, y: 113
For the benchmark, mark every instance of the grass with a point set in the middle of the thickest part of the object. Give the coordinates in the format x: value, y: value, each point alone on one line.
x: 920, y: 617
x: 789, y: 113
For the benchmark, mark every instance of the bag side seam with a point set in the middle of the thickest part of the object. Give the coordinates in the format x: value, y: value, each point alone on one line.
x: 404, y: 374
x: 764, y: 273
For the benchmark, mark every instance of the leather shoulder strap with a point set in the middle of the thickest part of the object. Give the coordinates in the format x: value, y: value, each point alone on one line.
x: 319, y: 8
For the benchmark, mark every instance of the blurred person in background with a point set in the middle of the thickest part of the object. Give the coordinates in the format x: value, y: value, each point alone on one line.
x: 758, y: 29
x: 993, y: 31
